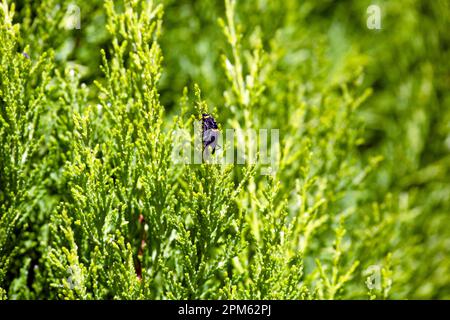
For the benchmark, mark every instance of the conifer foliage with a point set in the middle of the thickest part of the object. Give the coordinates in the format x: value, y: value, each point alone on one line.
x: 93, y: 204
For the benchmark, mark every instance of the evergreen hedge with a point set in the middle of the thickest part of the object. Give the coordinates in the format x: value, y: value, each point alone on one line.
x: 92, y: 205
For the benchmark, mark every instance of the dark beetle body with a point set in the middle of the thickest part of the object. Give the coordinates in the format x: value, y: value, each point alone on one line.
x: 208, y: 122
x: 210, y: 132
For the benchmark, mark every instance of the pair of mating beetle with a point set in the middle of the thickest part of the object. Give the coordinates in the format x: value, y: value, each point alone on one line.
x: 210, y: 132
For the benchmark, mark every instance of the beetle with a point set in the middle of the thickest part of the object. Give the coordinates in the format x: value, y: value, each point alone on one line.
x: 210, y: 132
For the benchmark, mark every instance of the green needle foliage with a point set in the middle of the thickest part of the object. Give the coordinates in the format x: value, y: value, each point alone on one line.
x: 93, y: 205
